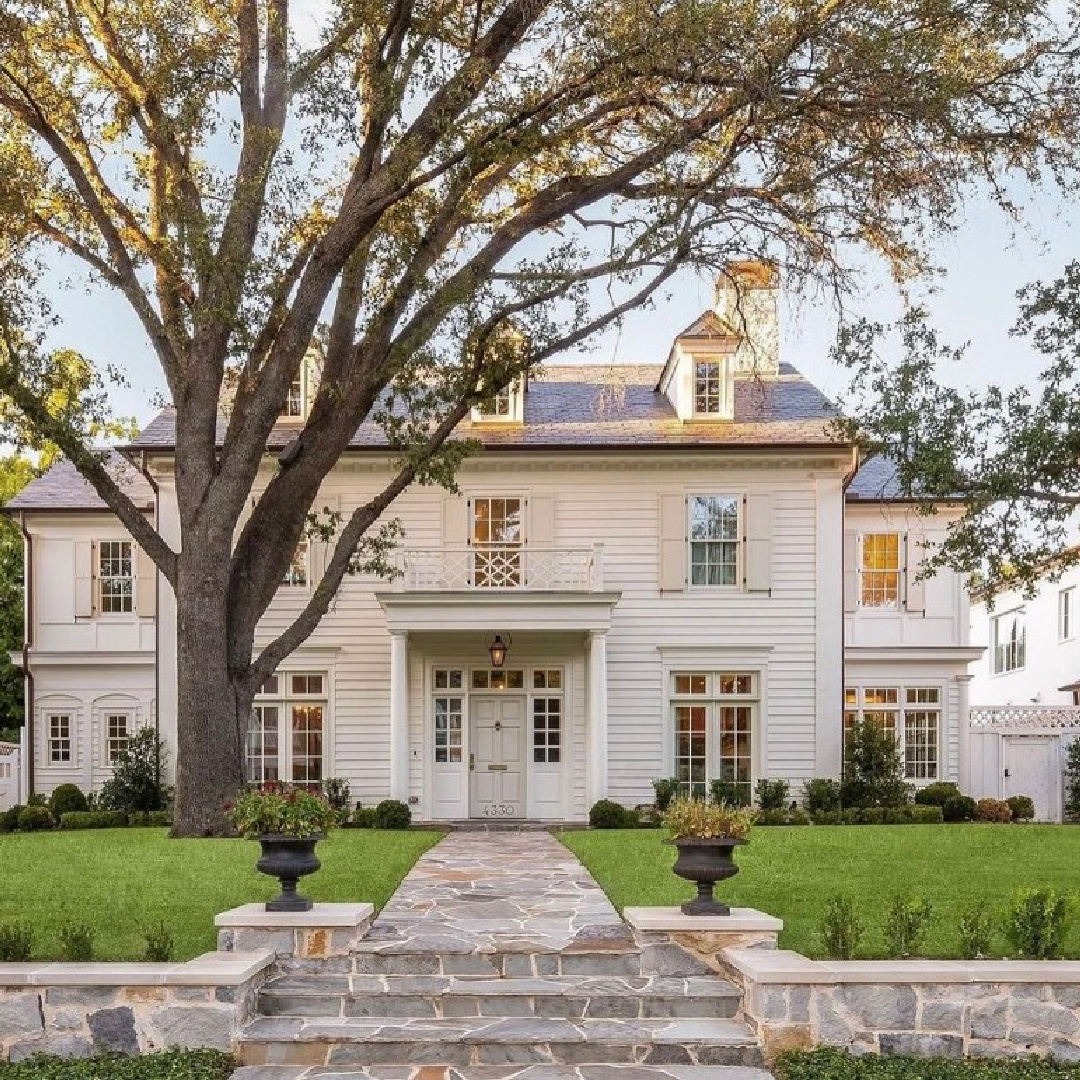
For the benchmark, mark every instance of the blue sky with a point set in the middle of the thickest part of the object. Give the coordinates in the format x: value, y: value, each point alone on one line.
x: 984, y: 263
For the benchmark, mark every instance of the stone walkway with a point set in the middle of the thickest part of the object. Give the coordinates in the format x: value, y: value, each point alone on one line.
x: 488, y: 892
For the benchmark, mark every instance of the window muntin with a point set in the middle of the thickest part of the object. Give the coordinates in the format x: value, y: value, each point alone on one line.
x: 1009, y: 642
x: 714, y: 539
x: 879, y: 570
x: 116, y: 579
x: 1067, y: 614
x: 449, y: 728
x: 449, y: 678
x: 714, y: 715
x: 297, y: 573
x: 286, y: 734
x: 547, y: 730
x: 501, y: 404
x: 59, y: 727
x: 497, y: 537
x: 911, y: 715
x: 708, y: 387
x: 117, y: 734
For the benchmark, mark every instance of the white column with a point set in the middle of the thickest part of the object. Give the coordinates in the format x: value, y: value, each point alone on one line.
x: 598, y: 716
x: 963, y: 734
x: 399, y: 715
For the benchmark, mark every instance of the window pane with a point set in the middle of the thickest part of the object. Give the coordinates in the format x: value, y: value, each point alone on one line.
x: 307, y: 734
x: 691, y: 684
x: 880, y: 570
x: 479, y: 680
x: 707, y: 387
x: 262, y: 758
x: 297, y: 573
x: 448, y: 729
x: 690, y: 749
x: 921, y: 744
x: 547, y: 715
x: 116, y: 735
x: 60, y: 738
x: 115, y: 579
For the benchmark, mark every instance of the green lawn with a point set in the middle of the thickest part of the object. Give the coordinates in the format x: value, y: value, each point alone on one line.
x: 791, y: 872
x: 121, y: 880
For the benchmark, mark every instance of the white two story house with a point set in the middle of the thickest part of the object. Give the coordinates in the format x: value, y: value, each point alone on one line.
x: 652, y: 570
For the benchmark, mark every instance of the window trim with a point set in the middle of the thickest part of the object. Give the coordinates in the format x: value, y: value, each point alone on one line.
x: 722, y: 410
x: 287, y: 582
x: 1019, y: 646
x: 286, y: 697
x: 738, y: 542
x: 902, y: 706
x: 900, y: 572
x: 514, y: 395
x: 1067, y: 614
x: 100, y: 578
x: 109, y: 715
x: 68, y: 716
x: 506, y: 548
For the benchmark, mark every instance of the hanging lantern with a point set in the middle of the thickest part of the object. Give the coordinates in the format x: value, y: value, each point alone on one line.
x: 497, y: 650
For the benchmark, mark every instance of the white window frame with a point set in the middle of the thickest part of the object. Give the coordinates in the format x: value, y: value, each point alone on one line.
x: 898, y: 701
x: 298, y: 575
x: 302, y: 382
x: 714, y: 382
x: 898, y: 571
x: 736, y: 542
x: 1011, y: 655
x: 54, y: 742
x: 281, y: 690
x: 1067, y: 613
x: 503, y: 561
x: 506, y: 406
x: 127, y: 598
x: 113, y: 744
x: 711, y: 689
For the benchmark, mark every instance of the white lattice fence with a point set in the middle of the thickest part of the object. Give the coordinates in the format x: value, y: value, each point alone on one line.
x: 499, y: 567
x: 1031, y: 717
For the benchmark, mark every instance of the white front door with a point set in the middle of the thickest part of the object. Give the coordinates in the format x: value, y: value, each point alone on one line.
x: 1030, y: 768
x: 497, y: 776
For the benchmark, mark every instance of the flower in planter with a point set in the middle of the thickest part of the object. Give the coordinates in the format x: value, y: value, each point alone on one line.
x: 281, y: 810
x: 693, y: 819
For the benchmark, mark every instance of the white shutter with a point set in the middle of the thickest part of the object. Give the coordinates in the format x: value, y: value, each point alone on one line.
x: 456, y: 524
x: 851, y: 571
x: 145, y: 584
x: 672, y: 543
x: 758, y: 530
x: 85, y: 557
x: 540, y: 526
x: 914, y: 591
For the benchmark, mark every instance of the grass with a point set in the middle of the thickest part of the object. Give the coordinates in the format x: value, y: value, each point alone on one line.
x: 124, y: 881
x: 168, y: 1065
x: 791, y: 872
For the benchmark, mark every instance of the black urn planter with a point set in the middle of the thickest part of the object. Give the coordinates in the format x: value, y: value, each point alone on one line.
x: 288, y: 858
x: 706, y: 862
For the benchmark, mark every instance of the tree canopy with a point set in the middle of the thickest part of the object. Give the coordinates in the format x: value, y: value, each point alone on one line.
x: 1011, y: 456
x: 442, y: 195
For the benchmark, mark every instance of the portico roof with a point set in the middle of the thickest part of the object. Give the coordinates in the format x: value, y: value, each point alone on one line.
x: 510, y: 610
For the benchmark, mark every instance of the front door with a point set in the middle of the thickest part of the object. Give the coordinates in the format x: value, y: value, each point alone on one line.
x: 497, y: 761
x: 1030, y: 766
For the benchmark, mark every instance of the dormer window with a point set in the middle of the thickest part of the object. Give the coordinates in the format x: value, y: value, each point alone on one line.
x: 506, y: 406
x: 708, y: 387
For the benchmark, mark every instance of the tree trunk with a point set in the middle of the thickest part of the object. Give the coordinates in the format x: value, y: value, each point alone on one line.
x: 211, y: 716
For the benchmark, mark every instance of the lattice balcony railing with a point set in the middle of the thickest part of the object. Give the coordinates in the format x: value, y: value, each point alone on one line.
x: 1053, y: 717
x: 499, y: 567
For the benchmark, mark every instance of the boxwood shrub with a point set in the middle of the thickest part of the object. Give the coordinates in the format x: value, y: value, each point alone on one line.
x: 606, y: 814
x: 1022, y: 807
x: 392, y: 814
x: 34, y: 819
x: 166, y: 1065
x: 65, y: 799
x: 94, y: 819
x: 832, y: 1064
x: 937, y: 794
x: 882, y: 815
x: 959, y: 808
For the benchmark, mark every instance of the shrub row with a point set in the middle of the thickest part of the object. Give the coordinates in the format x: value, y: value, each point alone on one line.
x: 37, y: 818
x: 389, y: 814
x: 1034, y: 925
x: 163, y: 1065
x: 836, y: 1064
x: 77, y: 943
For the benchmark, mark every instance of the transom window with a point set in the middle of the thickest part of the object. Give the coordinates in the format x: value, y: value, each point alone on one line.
x: 60, y: 738
x: 497, y: 537
x: 1067, y: 614
x: 547, y: 679
x: 714, y: 716
x: 117, y: 734
x: 297, y: 573
x: 287, y: 729
x: 714, y: 539
x: 708, y: 387
x: 910, y: 715
x: 498, y: 679
x: 879, y: 570
x: 1009, y: 642
x: 116, y: 580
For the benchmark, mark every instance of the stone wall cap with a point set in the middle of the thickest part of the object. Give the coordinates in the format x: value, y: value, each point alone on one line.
x: 328, y: 916
x: 777, y: 966
x: 740, y: 921
x: 211, y: 969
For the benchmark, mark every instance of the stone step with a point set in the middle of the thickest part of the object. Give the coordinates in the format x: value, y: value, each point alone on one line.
x: 502, y: 1072
x: 617, y: 959
x: 440, y: 997
x: 360, y: 1041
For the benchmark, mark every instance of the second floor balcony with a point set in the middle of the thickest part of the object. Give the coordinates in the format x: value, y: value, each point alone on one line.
x: 505, y: 567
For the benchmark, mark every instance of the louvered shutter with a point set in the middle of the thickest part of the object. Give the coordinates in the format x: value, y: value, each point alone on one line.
x: 145, y: 584
x: 851, y: 571
x: 85, y: 558
x: 757, y: 566
x: 540, y: 526
x: 914, y: 590
x: 672, y: 543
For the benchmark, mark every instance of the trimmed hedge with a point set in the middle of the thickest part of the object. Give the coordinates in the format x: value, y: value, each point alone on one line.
x: 166, y: 1065
x: 832, y: 1064
x: 882, y: 815
x: 66, y: 799
x: 606, y: 814
x: 959, y: 808
x: 1022, y: 807
x: 937, y: 794
x: 94, y: 819
x: 143, y: 818
x: 392, y: 814
x: 34, y: 819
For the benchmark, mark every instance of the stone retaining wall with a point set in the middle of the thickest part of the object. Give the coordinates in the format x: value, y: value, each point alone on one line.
x: 76, y: 1010
x: 948, y: 1009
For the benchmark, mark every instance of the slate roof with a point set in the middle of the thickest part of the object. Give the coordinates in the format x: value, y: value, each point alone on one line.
x: 878, y: 480
x: 63, y: 488
x: 612, y: 406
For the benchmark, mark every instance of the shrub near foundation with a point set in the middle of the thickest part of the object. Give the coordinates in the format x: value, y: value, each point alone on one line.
x: 832, y: 1064
x: 166, y: 1065
x: 1022, y: 807
x: 993, y: 810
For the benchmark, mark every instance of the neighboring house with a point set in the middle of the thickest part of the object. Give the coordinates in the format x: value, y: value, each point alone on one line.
x: 1025, y: 691
x: 644, y: 575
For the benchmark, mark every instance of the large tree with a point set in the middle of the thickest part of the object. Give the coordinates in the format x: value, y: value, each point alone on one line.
x: 1011, y: 456
x: 445, y: 193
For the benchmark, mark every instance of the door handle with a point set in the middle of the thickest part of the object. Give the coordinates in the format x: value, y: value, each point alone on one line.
x: 472, y: 762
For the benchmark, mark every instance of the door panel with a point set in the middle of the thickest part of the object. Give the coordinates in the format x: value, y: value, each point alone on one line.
x: 498, y: 766
x: 1030, y: 768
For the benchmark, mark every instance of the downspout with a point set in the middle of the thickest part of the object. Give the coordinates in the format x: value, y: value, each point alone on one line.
x: 849, y: 476
x: 28, y: 633
x: 157, y: 625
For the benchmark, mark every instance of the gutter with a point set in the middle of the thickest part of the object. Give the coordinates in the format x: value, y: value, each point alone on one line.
x: 28, y: 633
x: 157, y: 622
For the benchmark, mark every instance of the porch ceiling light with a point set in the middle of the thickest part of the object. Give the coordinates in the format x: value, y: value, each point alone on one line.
x: 497, y: 651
